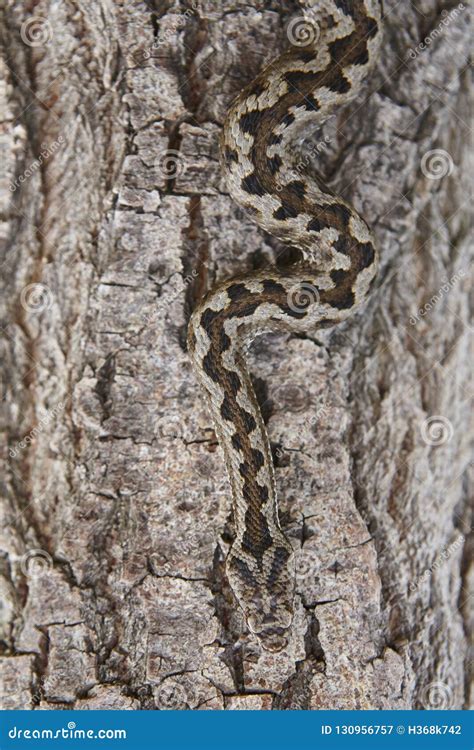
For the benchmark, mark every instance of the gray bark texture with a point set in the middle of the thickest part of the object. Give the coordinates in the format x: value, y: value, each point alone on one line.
x: 116, y: 510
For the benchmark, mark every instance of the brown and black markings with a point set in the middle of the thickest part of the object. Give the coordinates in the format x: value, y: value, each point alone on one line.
x: 300, y: 211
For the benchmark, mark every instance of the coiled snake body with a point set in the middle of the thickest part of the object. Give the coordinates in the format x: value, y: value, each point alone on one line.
x: 304, y: 84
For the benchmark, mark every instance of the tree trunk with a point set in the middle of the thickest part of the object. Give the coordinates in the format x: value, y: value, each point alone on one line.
x: 116, y: 514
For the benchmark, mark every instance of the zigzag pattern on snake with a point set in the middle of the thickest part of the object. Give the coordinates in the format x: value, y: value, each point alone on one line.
x: 304, y: 85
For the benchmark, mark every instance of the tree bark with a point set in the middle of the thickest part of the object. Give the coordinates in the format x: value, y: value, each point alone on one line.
x: 116, y: 514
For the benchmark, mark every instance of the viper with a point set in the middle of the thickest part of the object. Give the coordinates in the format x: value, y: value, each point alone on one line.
x: 332, y: 48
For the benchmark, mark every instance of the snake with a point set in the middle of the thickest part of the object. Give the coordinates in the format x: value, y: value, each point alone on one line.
x: 329, y: 57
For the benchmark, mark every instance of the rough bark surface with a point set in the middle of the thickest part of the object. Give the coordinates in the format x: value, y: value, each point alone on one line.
x: 116, y: 508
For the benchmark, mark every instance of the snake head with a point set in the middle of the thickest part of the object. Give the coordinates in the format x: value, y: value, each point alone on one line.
x: 264, y: 588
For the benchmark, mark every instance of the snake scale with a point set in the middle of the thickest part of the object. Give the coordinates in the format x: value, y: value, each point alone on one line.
x: 339, y: 262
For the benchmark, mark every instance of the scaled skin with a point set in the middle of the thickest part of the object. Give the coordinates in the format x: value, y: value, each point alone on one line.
x: 340, y: 262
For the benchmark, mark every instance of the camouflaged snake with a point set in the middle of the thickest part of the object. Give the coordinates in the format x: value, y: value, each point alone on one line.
x: 321, y: 71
